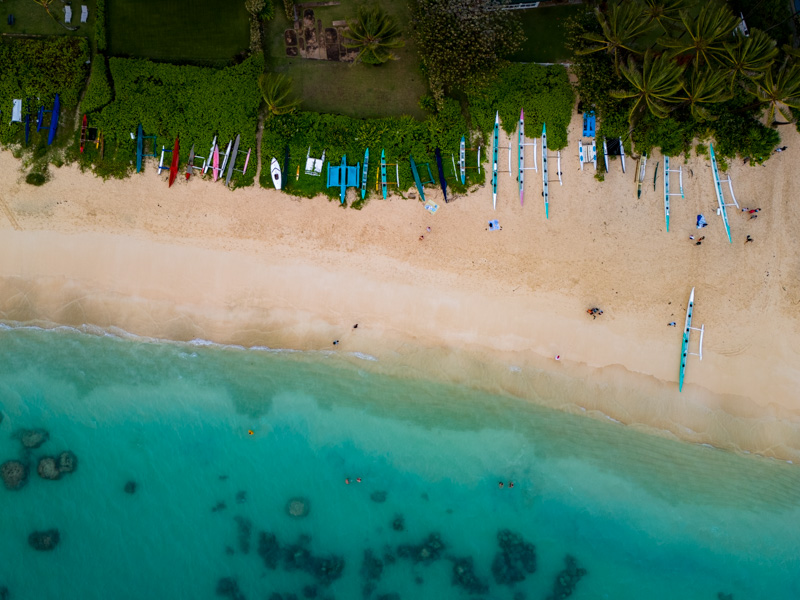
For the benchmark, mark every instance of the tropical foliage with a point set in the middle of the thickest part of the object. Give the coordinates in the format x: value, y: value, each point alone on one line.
x: 643, y: 64
x: 100, y: 41
x: 375, y: 35
x: 462, y: 43
x: 98, y: 91
x: 194, y: 103
x: 40, y: 68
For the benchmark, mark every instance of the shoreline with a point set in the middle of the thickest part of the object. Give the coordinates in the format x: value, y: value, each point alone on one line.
x: 470, y: 306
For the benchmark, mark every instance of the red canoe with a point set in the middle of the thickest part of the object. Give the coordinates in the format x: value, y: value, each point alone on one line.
x: 173, y: 168
x: 84, y: 125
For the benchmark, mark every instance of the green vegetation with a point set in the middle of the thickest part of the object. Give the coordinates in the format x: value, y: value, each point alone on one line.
x: 545, y: 32
x: 544, y: 92
x: 98, y: 92
x: 375, y: 35
x: 694, y: 80
x: 194, y: 103
x: 40, y: 68
x: 361, y: 91
x: 202, y: 32
x: 462, y: 44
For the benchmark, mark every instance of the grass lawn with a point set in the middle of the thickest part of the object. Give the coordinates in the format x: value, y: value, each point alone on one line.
x: 202, y: 31
x: 31, y: 18
x: 547, y: 37
x: 353, y: 90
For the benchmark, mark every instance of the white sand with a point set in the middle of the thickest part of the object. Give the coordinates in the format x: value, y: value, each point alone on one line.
x: 256, y: 267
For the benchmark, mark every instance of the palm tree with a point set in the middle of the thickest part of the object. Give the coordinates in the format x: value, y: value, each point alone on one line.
x: 655, y: 85
x: 704, y: 85
x: 375, y: 35
x: 623, y: 23
x: 277, y: 91
x: 749, y: 56
x: 779, y: 90
x: 664, y: 12
x: 704, y: 36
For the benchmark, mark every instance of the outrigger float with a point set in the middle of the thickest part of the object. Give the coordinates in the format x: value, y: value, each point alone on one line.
x: 364, y: 171
x: 495, y: 135
x: 521, y: 168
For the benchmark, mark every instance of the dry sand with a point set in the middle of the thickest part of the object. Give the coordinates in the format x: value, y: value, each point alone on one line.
x: 484, y: 308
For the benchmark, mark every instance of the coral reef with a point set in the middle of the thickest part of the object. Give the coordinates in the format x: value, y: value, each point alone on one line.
x: 67, y: 462
x: 399, y: 523
x: 228, y: 587
x: 298, y: 507
x: 32, y: 438
x: 371, y: 571
x: 241, y: 497
x: 297, y: 557
x: 269, y: 550
x: 428, y: 552
x: 14, y: 474
x: 515, y: 559
x: 244, y: 529
x: 44, y: 540
x: 378, y: 496
x: 48, y: 468
x: 130, y: 487
x: 567, y: 579
x: 464, y: 576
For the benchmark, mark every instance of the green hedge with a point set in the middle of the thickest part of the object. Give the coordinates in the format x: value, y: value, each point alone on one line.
x: 401, y: 137
x: 545, y: 94
x: 194, y: 103
x: 100, y: 26
x: 98, y: 92
x: 40, y: 68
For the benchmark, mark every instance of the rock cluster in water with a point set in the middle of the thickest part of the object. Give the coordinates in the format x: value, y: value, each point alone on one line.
x: 14, y: 474
x: 53, y: 467
x: 130, y: 487
x: 371, y: 572
x: 515, y: 560
x: 229, y: 588
x: 5, y: 594
x: 399, y: 523
x: 298, y: 507
x: 297, y: 557
x: 464, y: 576
x: 44, y: 540
x: 378, y: 496
x: 245, y: 527
x: 427, y: 552
x: 567, y: 579
x: 32, y: 438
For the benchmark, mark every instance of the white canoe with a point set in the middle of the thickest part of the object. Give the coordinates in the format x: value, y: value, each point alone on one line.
x: 276, y: 173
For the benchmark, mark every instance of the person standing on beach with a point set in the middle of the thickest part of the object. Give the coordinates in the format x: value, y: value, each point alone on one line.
x: 749, y: 239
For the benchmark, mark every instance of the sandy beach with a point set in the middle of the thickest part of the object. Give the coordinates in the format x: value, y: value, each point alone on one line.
x: 490, y: 309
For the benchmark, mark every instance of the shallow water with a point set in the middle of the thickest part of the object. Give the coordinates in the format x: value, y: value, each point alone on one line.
x: 645, y: 517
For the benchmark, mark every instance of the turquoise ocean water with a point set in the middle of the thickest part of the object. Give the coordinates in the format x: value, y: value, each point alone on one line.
x: 641, y: 516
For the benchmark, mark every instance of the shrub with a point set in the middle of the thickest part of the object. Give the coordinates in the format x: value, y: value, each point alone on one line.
x: 288, y: 6
x: 36, y: 178
x: 98, y: 92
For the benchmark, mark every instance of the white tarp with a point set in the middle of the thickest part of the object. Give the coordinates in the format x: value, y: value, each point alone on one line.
x: 84, y: 13
x: 67, y: 14
x: 16, y: 113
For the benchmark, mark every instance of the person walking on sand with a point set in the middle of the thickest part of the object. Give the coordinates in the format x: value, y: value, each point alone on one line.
x: 749, y: 239
x: 672, y: 324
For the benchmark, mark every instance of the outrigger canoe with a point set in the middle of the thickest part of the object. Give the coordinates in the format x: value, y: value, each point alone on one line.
x: 495, y: 136
x: 687, y: 328
x: 383, y: 174
x: 462, y: 156
x: 440, y: 168
x: 190, y: 164
x: 173, y: 168
x: 275, y: 170
x: 139, y: 147
x: 84, y: 127
x: 233, y: 160
x: 417, y: 180
x: 364, y: 174
x: 545, y: 190
x: 521, y: 157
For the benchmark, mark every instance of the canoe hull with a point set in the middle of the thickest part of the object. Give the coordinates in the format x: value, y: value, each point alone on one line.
x: 275, y: 171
